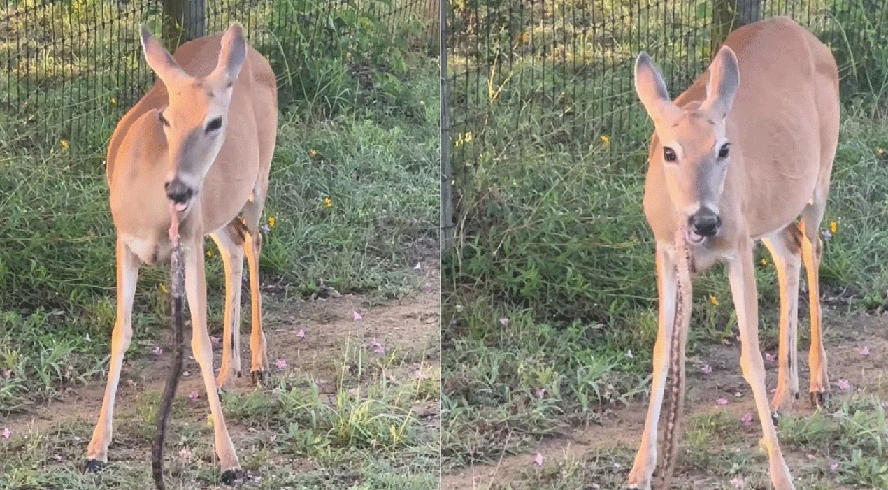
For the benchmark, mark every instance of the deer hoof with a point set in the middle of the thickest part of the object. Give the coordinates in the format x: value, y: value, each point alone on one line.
x: 258, y: 376
x: 775, y: 418
x: 230, y: 477
x: 820, y: 399
x: 93, y: 466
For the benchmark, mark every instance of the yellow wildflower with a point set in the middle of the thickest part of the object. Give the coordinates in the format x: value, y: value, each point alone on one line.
x: 605, y: 139
x: 764, y: 262
x: 113, y: 100
x: 271, y: 221
x: 328, y: 203
x: 312, y: 153
x: 833, y: 226
x: 713, y: 300
x: 209, y: 253
x: 65, y: 144
x: 164, y: 288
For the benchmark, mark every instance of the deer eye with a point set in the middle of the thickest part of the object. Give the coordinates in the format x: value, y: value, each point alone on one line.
x: 724, y: 150
x: 162, y: 119
x: 669, y: 155
x: 214, y: 124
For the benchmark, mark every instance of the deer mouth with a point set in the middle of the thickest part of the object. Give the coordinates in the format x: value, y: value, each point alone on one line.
x: 693, y: 237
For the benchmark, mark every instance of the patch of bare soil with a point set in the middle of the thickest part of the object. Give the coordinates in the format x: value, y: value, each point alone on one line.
x: 309, y: 335
x: 620, y: 428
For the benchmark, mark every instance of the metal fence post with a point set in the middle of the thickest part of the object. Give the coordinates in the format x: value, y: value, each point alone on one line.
x: 446, y: 173
x: 183, y: 20
x: 728, y: 15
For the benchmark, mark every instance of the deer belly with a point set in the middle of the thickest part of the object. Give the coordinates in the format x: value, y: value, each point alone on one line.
x: 149, y: 251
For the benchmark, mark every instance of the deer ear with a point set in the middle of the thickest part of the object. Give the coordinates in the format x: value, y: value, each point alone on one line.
x: 231, y: 56
x: 160, y: 61
x: 651, y: 90
x: 724, y: 80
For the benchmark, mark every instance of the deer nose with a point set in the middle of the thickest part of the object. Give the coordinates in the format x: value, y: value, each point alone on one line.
x: 704, y: 222
x: 178, y: 191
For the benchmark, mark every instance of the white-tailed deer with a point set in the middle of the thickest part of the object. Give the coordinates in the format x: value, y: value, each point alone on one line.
x: 738, y: 157
x: 201, y: 138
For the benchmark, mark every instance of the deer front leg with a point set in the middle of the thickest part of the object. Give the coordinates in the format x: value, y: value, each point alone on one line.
x: 196, y: 292
x: 127, y: 276
x: 742, y: 277
x: 252, y: 247
x: 646, y: 459
x: 230, y: 246
x: 785, y: 250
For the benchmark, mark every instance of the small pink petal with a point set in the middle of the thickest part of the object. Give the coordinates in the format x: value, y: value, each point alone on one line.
x: 864, y: 351
x: 157, y: 351
x: 357, y: 316
x: 538, y: 459
x: 185, y: 453
x: 272, y: 437
x: 629, y: 354
x: 504, y: 322
x: 6, y: 433
x: 770, y: 357
x: 281, y: 364
x: 706, y: 369
x: 738, y: 482
x: 215, y: 341
x: 837, y: 414
x: 833, y: 466
x: 746, y: 419
x: 194, y: 395
x: 721, y: 402
x: 418, y: 266
x: 377, y: 347
x: 843, y: 385
x: 539, y: 393
x: 300, y: 334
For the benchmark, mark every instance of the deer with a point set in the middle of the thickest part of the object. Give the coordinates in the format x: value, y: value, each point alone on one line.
x: 196, y: 149
x: 740, y: 157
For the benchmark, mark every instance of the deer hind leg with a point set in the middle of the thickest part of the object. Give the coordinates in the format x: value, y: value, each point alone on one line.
x: 743, y: 289
x: 812, y: 248
x: 253, y: 248
x: 646, y: 459
x: 196, y: 292
x: 127, y: 276
x: 785, y: 248
x: 230, y: 241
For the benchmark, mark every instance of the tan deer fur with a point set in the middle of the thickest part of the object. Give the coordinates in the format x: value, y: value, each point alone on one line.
x: 739, y: 157
x: 202, y: 138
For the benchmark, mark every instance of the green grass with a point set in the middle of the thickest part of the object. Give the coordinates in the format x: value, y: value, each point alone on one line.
x: 365, y: 434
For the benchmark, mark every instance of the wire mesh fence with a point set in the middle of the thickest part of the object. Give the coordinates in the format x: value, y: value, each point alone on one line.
x: 71, y: 68
x: 554, y: 76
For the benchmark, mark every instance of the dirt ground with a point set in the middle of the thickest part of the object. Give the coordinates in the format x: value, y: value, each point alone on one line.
x: 311, y: 335
x: 620, y: 428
